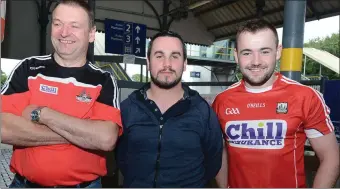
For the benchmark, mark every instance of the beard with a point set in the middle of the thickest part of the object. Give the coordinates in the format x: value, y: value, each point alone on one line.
x: 166, y: 84
x: 257, y: 80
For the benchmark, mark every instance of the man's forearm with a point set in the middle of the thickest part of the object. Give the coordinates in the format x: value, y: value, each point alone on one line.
x: 327, y: 151
x: 88, y: 134
x: 16, y: 130
x: 327, y: 174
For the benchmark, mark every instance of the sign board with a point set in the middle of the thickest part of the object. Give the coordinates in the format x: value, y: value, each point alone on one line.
x: 125, y: 37
x: 195, y: 74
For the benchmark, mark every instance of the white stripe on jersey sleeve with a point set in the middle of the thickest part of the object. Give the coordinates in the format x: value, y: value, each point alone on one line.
x: 313, y: 133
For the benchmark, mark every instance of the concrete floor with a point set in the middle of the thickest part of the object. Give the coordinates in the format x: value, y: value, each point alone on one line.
x: 6, y: 175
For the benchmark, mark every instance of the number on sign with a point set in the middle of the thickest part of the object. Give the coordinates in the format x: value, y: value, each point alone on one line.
x: 128, y: 26
x: 128, y: 39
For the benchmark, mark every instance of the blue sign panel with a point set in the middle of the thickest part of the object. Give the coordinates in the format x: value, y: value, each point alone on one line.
x: 124, y: 37
x: 195, y: 74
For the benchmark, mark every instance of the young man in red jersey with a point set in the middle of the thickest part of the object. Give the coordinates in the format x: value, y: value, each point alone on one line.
x: 266, y: 119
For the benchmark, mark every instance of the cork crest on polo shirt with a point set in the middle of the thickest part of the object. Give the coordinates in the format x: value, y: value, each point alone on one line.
x: 84, y: 97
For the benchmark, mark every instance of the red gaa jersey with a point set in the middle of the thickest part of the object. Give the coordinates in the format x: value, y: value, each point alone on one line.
x: 266, y: 129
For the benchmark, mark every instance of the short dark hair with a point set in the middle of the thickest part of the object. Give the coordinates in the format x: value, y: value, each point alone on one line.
x: 167, y: 34
x: 254, y: 26
x: 81, y: 3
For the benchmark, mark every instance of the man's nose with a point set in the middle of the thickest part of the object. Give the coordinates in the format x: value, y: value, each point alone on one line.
x: 256, y: 59
x: 65, y: 31
x: 167, y: 63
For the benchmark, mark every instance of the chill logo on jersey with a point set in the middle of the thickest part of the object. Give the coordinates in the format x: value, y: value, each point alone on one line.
x: 257, y: 134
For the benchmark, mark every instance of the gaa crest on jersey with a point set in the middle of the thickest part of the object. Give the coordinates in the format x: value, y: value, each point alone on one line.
x: 84, y: 97
x: 257, y: 134
x: 282, y: 107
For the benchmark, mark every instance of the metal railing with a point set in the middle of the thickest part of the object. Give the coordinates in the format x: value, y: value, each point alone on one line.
x: 213, y: 52
x: 118, y: 73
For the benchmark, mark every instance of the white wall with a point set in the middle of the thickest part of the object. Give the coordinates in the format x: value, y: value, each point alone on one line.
x: 205, y: 77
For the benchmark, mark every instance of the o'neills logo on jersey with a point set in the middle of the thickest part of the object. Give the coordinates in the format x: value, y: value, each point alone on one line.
x: 257, y: 134
x: 256, y: 105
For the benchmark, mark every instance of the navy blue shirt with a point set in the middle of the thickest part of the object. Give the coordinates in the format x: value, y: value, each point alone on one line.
x: 180, y: 148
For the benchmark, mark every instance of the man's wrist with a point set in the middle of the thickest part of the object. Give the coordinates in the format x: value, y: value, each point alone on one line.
x: 36, y: 114
x: 43, y: 116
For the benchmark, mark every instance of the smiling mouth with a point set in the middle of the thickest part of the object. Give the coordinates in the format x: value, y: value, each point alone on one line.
x: 256, y: 69
x: 66, y: 41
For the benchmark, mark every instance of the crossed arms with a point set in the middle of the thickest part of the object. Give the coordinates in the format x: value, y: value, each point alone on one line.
x: 98, y: 131
x: 58, y: 128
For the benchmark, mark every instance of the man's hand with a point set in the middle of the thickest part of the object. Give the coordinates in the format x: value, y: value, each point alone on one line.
x: 28, y: 110
x: 19, y: 131
x: 88, y: 134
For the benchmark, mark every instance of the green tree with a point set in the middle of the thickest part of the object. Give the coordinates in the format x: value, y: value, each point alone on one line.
x: 3, y: 78
x: 330, y: 44
x: 136, y: 77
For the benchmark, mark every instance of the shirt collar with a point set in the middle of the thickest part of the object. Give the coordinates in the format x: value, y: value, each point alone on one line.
x: 147, y: 86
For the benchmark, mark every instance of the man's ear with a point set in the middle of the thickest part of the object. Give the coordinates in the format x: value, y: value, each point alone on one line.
x: 235, y: 55
x: 185, y: 65
x: 92, y: 35
x: 278, y: 52
x: 147, y: 64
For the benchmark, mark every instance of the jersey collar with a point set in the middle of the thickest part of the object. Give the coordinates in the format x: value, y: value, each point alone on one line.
x: 262, y: 90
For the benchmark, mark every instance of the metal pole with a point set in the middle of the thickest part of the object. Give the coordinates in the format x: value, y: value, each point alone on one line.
x: 90, y: 51
x: 304, y: 66
x: 141, y: 73
x: 292, y: 39
x: 322, y: 84
x: 43, y: 21
x: 320, y: 70
x: 165, y: 13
